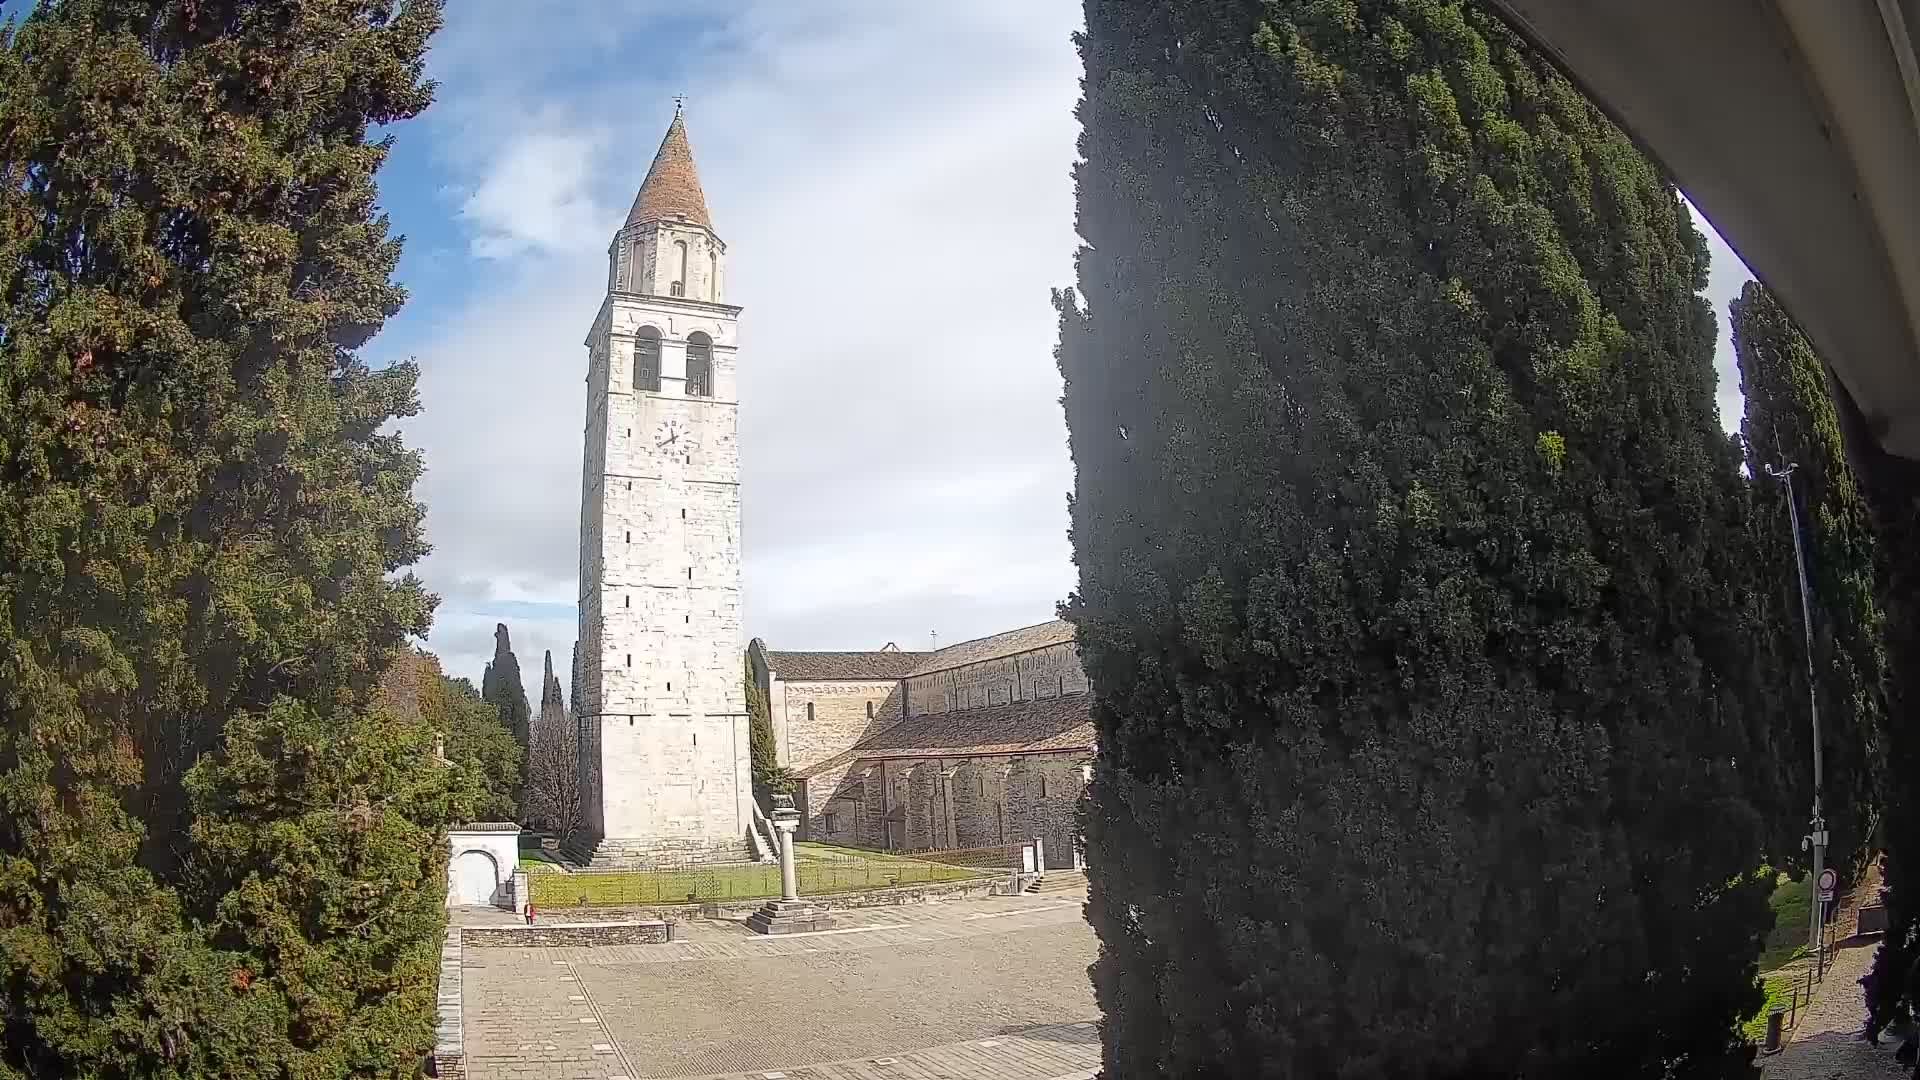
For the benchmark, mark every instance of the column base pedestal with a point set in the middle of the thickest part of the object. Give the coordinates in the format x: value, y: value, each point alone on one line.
x: 789, y: 917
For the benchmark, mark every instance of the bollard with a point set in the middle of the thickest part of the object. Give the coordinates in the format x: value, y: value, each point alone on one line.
x: 1776, y: 1022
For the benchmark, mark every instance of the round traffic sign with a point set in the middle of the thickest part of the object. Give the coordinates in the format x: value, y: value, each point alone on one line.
x: 1828, y: 879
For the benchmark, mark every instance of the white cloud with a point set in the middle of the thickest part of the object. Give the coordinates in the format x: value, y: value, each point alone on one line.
x: 535, y: 198
x: 896, y: 215
x: 893, y: 182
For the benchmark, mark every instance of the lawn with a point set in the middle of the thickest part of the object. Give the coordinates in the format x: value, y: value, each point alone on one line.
x: 820, y: 871
x: 1791, y: 902
x: 1779, y: 990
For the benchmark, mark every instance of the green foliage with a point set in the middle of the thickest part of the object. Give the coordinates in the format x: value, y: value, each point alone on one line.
x: 1891, y: 488
x: 1414, y: 572
x: 552, y: 801
x: 769, y: 776
x: 1792, y: 907
x: 217, y: 858
x: 488, y: 764
x: 501, y: 686
x: 1791, y: 418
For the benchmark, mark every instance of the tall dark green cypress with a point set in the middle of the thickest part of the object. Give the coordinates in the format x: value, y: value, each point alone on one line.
x: 1413, y: 576
x: 1790, y: 418
x: 218, y: 855
x: 500, y: 684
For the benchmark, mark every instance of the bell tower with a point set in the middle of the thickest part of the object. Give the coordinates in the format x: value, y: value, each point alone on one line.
x: 663, y: 717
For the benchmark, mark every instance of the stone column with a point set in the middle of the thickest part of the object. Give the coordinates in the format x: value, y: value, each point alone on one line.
x: 785, y: 820
x: 789, y: 914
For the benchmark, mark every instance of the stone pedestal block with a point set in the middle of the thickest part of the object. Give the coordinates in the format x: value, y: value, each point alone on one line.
x: 789, y: 917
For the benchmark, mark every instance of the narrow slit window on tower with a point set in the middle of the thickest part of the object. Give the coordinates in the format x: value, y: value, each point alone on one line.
x: 1043, y: 787
x: 683, y: 514
x: 628, y: 601
x: 809, y: 712
x: 699, y: 365
x: 629, y: 536
x: 646, y: 362
x: 669, y: 687
x: 869, y: 710
x: 629, y: 659
x: 713, y: 276
x: 689, y: 573
x: 679, y: 286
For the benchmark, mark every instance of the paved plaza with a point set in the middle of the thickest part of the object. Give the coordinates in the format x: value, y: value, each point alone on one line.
x: 961, y: 990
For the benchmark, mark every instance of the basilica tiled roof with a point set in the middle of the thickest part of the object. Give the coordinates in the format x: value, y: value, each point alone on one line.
x: 878, y: 666
x: 672, y: 188
x: 1023, y: 727
x: 1025, y: 639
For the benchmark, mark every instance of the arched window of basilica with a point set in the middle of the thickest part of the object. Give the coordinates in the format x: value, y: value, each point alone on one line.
x: 699, y: 365
x: 646, y: 360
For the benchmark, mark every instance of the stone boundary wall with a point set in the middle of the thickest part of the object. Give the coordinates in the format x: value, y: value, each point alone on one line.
x: 623, y: 932
x: 449, y: 1035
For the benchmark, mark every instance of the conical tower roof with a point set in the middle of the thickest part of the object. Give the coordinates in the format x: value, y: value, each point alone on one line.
x: 672, y: 188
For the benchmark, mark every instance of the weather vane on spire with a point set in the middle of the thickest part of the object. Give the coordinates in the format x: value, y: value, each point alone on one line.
x: 679, y: 102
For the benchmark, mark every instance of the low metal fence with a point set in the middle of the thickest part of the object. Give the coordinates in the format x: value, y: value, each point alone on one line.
x: 741, y: 881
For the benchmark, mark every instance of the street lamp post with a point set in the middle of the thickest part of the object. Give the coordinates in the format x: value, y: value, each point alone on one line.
x: 1816, y: 838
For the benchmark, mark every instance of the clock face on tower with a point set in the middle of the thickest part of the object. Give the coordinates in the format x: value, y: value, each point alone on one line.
x: 673, y: 437
x: 669, y: 434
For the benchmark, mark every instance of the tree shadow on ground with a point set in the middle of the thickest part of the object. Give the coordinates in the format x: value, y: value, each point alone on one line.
x: 1078, y: 1034
x: 1830, y: 1055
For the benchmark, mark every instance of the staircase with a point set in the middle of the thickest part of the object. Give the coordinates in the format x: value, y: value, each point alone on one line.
x: 760, y: 837
x: 1057, y: 881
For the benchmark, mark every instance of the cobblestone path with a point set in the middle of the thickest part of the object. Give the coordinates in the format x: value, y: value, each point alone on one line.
x: 962, y: 990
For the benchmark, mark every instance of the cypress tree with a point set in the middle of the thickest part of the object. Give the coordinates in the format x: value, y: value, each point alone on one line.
x: 1791, y: 418
x: 768, y: 776
x: 1891, y: 488
x: 553, y: 766
x: 1411, y: 561
x: 218, y: 855
x: 500, y: 684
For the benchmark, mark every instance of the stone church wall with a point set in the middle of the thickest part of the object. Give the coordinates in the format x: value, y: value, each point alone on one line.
x: 991, y: 800
x: 813, y: 721
x: 1040, y: 673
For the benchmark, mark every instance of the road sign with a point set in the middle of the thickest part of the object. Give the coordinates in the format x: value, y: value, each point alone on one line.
x: 1828, y: 879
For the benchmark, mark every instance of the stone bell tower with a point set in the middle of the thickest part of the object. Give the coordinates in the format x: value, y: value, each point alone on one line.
x: 663, y: 716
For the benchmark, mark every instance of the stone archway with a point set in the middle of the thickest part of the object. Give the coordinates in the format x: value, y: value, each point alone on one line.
x: 474, y: 878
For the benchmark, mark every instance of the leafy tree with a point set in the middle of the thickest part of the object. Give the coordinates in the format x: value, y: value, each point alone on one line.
x: 553, y: 766
x: 486, y: 760
x: 1413, y: 564
x: 1790, y: 418
x: 217, y: 856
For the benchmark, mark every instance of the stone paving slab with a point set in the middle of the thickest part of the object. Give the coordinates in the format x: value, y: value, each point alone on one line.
x: 1055, y: 1052
x: 988, y: 988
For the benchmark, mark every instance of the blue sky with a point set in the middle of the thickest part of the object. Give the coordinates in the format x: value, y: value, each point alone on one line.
x: 894, y: 230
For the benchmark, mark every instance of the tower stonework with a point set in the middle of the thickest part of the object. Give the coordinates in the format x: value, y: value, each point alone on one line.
x: 663, y: 719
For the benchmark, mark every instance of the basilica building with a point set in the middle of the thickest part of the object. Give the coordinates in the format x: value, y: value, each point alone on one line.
x: 979, y: 744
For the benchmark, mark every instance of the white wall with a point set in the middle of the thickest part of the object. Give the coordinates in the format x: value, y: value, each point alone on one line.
x: 475, y: 855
